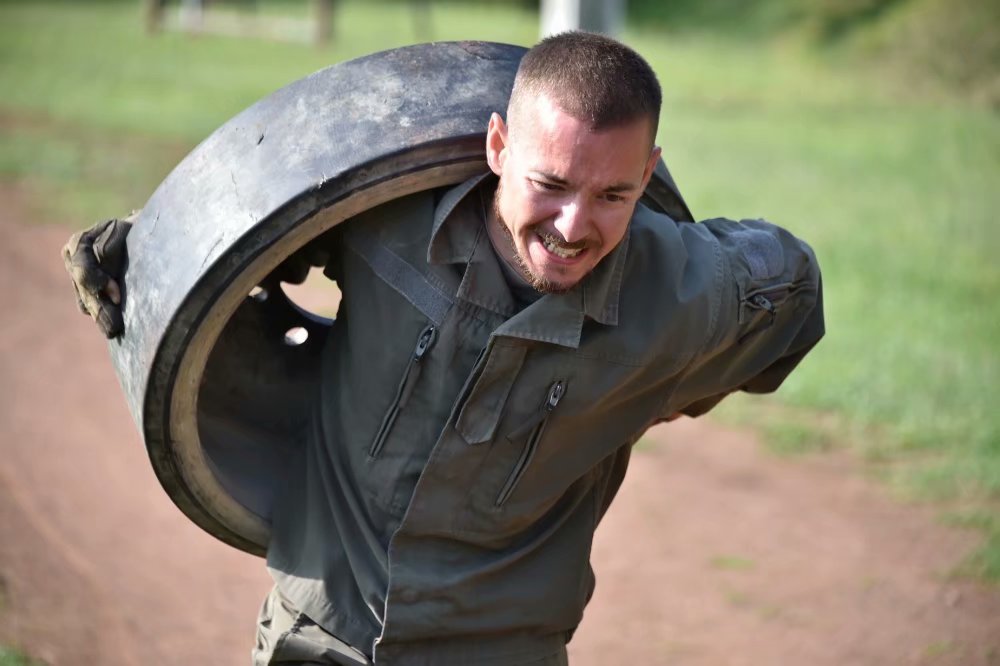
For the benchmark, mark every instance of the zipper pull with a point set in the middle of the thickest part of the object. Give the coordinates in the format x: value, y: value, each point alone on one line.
x: 762, y: 302
x: 555, y: 394
x: 424, y: 344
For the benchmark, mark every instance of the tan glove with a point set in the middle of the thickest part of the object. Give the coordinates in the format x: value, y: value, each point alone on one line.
x: 95, y: 259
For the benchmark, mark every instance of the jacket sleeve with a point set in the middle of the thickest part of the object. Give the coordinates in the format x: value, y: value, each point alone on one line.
x: 770, y: 314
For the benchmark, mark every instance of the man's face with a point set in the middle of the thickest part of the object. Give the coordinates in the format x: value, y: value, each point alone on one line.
x: 566, y: 192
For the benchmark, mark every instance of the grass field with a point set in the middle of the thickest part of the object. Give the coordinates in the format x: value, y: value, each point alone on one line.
x: 9, y: 657
x: 896, y: 192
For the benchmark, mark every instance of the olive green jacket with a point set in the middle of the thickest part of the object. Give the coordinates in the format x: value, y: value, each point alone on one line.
x: 463, y: 451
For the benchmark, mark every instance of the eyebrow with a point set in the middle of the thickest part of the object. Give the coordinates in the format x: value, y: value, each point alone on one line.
x: 617, y: 187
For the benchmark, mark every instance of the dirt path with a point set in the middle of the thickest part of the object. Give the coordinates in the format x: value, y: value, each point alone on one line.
x: 713, y: 553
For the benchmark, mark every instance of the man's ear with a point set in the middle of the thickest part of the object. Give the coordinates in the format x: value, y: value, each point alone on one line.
x: 650, y: 165
x: 496, y: 144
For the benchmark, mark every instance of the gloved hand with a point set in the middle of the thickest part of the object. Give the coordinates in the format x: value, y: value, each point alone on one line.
x: 295, y: 268
x: 95, y: 260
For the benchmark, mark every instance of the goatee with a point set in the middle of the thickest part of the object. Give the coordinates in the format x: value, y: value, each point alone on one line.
x: 537, y: 282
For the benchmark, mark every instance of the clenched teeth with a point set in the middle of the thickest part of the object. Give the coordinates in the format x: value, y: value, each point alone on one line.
x: 555, y: 247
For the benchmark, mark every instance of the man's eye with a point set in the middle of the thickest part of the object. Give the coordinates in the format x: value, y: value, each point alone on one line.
x: 613, y: 198
x: 548, y: 187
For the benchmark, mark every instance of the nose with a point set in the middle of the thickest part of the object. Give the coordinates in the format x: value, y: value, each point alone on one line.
x: 572, y: 222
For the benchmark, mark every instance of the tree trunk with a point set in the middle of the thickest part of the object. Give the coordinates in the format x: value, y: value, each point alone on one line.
x: 153, y: 15
x: 323, y: 15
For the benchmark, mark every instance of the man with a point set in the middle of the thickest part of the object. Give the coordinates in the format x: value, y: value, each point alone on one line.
x: 444, y: 504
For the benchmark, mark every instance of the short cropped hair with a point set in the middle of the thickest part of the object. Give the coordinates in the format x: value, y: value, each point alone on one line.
x: 591, y: 77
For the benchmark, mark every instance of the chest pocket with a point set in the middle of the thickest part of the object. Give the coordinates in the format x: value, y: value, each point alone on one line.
x: 503, y: 432
x: 482, y: 408
x: 531, y: 433
x: 563, y: 416
x: 509, y: 425
x: 518, y: 478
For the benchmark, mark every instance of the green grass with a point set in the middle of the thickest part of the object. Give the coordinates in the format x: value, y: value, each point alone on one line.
x: 78, y: 174
x: 96, y: 108
x: 732, y: 563
x: 985, y: 562
x: 91, y: 63
x: 12, y: 657
x: 933, y: 47
x: 939, y: 649
x: 894, y: 190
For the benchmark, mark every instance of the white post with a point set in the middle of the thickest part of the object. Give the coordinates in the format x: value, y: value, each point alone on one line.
x: 192, y: 15
x: 607, y: 16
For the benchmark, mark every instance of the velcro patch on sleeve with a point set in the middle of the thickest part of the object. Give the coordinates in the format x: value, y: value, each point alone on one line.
x: 762, y: 252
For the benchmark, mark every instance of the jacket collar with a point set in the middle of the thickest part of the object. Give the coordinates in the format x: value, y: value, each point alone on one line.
x: 459, y: 237
x: 452, y: 242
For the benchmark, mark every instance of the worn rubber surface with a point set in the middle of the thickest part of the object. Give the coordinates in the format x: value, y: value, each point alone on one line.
x: 217, y: 392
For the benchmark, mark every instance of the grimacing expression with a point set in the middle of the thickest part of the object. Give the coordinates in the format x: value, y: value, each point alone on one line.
x: 566, y: 191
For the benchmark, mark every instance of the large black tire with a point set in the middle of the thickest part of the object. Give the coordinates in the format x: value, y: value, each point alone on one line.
x: 218, y: 394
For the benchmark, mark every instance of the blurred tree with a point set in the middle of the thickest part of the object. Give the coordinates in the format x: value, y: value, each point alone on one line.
x: 153, y: 14
x: 323, y: 11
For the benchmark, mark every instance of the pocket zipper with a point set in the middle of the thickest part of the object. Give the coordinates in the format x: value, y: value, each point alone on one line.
x: 768, y: 299
x: 424, y: 343
x: 760, y: 301
x: 536, y: 426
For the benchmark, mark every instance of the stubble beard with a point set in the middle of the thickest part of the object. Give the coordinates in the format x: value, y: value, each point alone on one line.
x: 539, y: 283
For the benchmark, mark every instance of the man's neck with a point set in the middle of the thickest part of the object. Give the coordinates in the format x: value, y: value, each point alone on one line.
x: 519, y: 285
x: 501, y: 242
